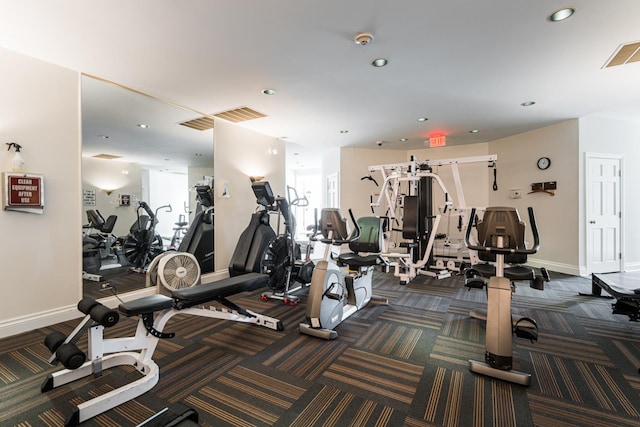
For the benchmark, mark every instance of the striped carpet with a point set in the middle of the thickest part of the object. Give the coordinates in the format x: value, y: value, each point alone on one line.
x: 405, y: 364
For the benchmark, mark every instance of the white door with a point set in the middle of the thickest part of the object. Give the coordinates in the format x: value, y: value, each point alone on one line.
x: 333, y: 196
x: 604, y: 211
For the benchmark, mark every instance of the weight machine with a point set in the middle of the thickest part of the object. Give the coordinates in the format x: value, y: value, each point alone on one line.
x: 407, y: 196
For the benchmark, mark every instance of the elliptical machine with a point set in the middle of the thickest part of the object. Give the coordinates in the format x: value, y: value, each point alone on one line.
x: 282, y: 261
x: 98, y: 243
x: 500, y: 234
x: 335, y: 295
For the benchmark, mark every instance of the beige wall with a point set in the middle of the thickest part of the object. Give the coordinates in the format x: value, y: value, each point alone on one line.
x: 238, y: 154
x: 41, y: 254
x: 354, y: 164
x: 556, y: 216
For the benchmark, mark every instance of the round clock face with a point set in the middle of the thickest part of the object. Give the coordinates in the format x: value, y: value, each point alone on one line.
x: 544, y: 163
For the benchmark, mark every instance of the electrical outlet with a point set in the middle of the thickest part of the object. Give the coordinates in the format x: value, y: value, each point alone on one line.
x: 515, y: 193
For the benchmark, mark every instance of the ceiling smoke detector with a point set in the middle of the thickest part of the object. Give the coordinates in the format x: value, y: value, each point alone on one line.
x: 363, y: 39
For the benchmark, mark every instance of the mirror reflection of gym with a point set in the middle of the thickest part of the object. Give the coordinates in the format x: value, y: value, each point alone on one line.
x: 140, y: 155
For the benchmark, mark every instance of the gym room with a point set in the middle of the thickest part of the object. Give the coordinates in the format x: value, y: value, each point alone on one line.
x: 296, y: 213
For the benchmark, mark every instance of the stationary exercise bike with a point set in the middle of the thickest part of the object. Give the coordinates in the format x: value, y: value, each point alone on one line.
x: 501, y: 234
x: 143, y: 244
x: 98, y: 243
x: 334, y: 294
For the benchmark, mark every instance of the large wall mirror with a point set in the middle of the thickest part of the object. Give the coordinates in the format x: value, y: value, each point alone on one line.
x: 140, y: 155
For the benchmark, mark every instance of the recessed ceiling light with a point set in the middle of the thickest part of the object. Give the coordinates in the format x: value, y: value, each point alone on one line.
x: 528, y: 103
x: 562, y: 14
x: 269, y: 91
x: 103, y: 136
x: 403, y: 139
x: 142, y: 125
x: 380, y: 62
x: 344, y: 131
x: 422, y: 119
x: 474, y: 131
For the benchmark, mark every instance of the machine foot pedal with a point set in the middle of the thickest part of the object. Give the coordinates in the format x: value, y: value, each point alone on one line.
x: 475, y: 284
x: 526, y: 328
x: 511, y: 376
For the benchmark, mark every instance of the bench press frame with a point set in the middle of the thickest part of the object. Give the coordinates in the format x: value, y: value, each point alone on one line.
x: 137, y: 351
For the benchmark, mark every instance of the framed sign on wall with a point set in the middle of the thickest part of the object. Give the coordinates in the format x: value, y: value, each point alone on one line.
x: 23, y: 192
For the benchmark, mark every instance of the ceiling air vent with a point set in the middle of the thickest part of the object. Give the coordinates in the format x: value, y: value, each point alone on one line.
x: 106, y: 156
x: 201, y: 123
x: 240, y: 115
x: 625, y: 54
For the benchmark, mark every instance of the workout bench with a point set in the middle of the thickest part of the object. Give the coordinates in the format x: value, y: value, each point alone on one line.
x: 137, y: 351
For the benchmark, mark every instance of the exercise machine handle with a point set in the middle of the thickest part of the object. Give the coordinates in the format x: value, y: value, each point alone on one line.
x: 147, y: 209
x: 167, y: 207
x: 296, y: 200
x: 505, y: 251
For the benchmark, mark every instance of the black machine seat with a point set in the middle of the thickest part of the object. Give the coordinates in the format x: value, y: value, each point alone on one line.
x: 369, y: 241
x: 355, y: 260
x: 516, y: 273
x: 144, y: 305
x: 200, y: 294
x: 109, y: 223
x: 519, y: 273
x: 95, y: 219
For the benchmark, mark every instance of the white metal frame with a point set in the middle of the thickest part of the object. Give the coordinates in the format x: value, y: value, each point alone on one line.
x: 393, y: 175
x: 136, y: 351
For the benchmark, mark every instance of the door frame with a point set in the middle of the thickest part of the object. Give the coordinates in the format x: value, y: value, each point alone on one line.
x: 620, y: 158
x: 335, y: 178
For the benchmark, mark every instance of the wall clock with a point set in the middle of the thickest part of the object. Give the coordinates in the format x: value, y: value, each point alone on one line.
x: 544, y: 163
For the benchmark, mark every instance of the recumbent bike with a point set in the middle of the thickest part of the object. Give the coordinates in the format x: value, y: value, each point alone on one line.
x: 334, y: 294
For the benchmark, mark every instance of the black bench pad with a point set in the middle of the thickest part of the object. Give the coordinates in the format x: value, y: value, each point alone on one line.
x: 200, y: 294
x: 148, y: 304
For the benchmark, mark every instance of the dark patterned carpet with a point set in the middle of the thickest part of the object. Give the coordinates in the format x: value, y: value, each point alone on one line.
x: 401, y: 364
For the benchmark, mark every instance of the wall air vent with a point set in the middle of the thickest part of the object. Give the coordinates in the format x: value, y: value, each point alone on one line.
x: 240, y: 115
x: 106, y: 156
x: 625, y: 54
x: 201, y: 123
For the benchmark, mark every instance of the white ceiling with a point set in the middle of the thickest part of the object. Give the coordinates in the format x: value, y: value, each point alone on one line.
x: 463, y: 64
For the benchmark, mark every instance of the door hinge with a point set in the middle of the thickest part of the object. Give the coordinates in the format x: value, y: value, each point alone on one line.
x: 619, y: 255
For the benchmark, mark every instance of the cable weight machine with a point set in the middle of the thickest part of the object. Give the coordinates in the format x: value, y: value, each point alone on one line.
x: 407, y: 202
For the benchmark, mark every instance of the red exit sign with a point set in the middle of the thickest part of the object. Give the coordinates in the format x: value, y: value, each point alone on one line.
x: 437, y: 141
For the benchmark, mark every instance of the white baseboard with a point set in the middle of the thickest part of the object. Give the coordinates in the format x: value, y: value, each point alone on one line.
x: 572, y: 270
x: 30, y: 322
x: 43, y: 319
x: 632, y: 266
